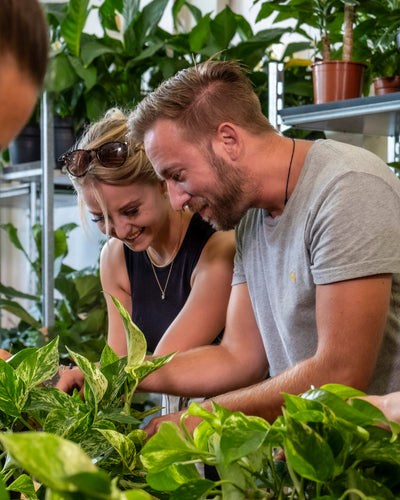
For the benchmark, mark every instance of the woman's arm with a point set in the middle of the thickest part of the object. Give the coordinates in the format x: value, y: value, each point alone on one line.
x: 204, y: 314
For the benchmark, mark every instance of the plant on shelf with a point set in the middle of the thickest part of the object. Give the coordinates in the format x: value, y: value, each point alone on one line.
x: 79, y: 307
x: 330, y: 26
x: 381, y: 27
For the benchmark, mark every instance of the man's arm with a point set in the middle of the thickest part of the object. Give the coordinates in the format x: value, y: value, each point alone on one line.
x: 238, y: 361
x: 350, y: 317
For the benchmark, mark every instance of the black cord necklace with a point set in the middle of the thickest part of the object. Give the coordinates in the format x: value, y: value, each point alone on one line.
x: 288, y: 175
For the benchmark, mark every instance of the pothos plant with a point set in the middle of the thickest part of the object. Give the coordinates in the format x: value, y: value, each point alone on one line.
x: 105, y: 423
x: 333, y: 445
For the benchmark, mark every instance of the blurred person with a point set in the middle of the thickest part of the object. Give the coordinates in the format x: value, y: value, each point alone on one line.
x: 23, y: 56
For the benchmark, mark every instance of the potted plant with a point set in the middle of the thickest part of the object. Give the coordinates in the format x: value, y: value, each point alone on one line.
x: 338, y: 63
x: 381, y: 28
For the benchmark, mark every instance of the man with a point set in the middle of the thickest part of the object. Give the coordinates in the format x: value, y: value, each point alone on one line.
x: 315, y: 296
x: 23, y: 56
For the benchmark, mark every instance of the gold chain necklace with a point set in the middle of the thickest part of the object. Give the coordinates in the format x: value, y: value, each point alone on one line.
x: 154, y: 265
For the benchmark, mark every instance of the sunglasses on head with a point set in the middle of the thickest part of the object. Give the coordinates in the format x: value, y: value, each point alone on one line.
x: 110, y: 155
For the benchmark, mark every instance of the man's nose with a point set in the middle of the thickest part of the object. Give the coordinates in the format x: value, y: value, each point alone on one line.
x: 178, y: 197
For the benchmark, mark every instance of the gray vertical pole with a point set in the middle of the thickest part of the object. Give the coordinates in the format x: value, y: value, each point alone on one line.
x: 47, y: 143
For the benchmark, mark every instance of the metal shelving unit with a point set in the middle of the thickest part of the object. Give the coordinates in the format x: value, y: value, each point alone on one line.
x: 36, y: 180
x: 374, y: 116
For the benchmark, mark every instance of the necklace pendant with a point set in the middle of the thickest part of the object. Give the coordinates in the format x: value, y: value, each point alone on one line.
x: 162, y: 296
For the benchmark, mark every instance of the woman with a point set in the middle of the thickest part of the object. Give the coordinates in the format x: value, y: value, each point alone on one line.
x: 170, y: 269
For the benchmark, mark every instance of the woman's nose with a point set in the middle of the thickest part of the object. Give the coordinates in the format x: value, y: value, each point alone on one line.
x: 120, y: 229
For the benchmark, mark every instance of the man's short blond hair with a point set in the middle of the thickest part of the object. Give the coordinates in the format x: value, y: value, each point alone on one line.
x: 199, y: 99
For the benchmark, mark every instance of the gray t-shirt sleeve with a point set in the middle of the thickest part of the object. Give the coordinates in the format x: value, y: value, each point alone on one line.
x: 239, y: 275
x: 355, y: 231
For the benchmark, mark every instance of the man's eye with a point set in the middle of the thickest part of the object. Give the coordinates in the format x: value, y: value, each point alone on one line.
x: 176, y: 176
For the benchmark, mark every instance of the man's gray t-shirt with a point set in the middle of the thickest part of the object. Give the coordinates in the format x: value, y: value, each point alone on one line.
x: 341, y: 222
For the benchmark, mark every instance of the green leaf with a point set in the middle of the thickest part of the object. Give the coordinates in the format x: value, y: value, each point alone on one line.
x: 51, y: 459
x: 152, y: 14
x: 193, y: 490
x: 13, y: 237
x: 24, y: 484
x: 116, y: 376
x: 12, y: 391
x: 73, y: 426
x: 91, y: 48
x: 88, y: 75
x: 73, y: 24
x: 50, y: 398
x: 148, y: 366
x: 200, y: 33
x: 108, y: 357
x: 40, y: 365
x: 169, y: 447
x: 137, y: 495
x: 122, y: 444
x: 172, y: 477
x: 223, y: 27
x: 117, y: 415
x: 93, y: 376
x: 242, y: 435
x: 11, y: 293
x: 136, y: 341
x: 340, y: 407
x: 216, y: 418
x: 343, y: 391
x: 130, y: 11
x: 307, y: 452
x: 20, y: 312
x: 61, y: 74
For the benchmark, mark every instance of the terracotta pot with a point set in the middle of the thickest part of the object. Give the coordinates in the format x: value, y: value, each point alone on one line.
x: 386, y: 85
x: 337, y: 80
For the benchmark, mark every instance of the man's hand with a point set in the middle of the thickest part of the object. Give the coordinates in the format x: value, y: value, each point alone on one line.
x: 70, y: 380
x: 389, y: 404
x: 191, y: 422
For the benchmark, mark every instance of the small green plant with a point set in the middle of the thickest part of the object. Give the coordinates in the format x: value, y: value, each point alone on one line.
x: 333, y: 450
x: 105, y: 423
x: 79, y: 305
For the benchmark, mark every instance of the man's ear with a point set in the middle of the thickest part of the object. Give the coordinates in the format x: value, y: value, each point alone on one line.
x: 228, y: 141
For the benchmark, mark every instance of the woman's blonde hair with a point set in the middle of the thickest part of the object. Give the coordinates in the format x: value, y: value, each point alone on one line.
x: 136, y: 169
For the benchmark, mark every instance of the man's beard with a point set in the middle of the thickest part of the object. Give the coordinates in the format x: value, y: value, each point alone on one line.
x: 228, y: 205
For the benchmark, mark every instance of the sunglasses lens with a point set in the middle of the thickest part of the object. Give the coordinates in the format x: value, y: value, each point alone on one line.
x: 112, y: 154
x: 77, y: 162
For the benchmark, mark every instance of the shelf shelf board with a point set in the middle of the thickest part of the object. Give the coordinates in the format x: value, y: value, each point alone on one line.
x: 375, y: 115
